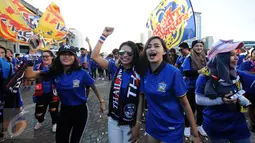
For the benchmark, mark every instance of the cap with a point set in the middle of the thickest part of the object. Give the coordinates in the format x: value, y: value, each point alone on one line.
x: 223, y: 46
x: 195, y: 42
x: 67, y: 48
x: 184, y: 45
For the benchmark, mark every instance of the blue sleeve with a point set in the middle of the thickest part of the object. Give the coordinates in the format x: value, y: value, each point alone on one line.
x: 186, y: 66
x: 112, y: 67
x: 178, y: 60
x: 244, y: 66
x: 248, y: 81
x: 14, y: 62
x: 88, y: 80
x: 36, y: 67
x: 25, y: 58
x: 180, y: 87
x: 200, y: 84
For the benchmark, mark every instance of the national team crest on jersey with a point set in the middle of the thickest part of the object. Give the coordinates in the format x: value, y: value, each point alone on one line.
x: 162, y: 87
x: 76, y: 83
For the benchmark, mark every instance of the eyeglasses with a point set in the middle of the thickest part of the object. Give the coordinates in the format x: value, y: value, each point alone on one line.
x: 46, y: 56
x: 122, y: 52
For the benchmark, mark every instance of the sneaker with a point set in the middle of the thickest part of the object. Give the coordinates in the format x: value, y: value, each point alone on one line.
x: 187, y: 132
x: 102, y: 78
x: 201, y: 131
x: 54, y: 128
x: 38, y: 126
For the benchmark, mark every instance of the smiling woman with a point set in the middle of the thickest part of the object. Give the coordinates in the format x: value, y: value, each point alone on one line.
x: 70, y: 81
x: 124, y: 92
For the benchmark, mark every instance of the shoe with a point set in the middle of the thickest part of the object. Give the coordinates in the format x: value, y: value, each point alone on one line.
x: 187, y: 132
x: 38, y: 126
x: 102, y: 78
x: 2, y: 137
x: 54, y: 128
x: 201, y: 131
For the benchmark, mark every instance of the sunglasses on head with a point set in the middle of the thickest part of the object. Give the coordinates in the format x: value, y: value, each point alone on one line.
x: 122, y: 52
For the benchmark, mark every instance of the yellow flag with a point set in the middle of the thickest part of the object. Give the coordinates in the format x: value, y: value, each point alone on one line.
x: 51, y: 24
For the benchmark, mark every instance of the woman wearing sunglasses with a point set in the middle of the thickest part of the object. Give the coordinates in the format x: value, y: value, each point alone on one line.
x: 44, y: 94
x: 123, y: 98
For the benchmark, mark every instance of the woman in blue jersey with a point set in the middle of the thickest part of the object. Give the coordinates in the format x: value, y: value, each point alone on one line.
x: 249, y: 66
x: 123, y: 98
x: 44, y: 94
x: 70, y: 81
x: 191, y: 68
x: 224, y: 120
x: 165, y: 92
x: 7, y: 101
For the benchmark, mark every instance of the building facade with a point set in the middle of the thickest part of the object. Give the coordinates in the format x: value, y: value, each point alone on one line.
x: 78, y: 40
x: 249, y: 44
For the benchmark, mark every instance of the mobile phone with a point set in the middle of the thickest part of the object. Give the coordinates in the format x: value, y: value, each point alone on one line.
x: 34, y: 43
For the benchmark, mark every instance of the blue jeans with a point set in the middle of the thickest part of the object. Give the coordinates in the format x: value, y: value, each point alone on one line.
x: 217, y: 140
x: 117, y: 134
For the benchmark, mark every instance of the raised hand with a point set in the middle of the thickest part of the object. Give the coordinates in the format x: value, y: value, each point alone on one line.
x: 87, y: 39
x: 108, y: 31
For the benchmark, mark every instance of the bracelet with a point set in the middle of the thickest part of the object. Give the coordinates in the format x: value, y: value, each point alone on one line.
x: 139, y: 122
x: 102, y: 38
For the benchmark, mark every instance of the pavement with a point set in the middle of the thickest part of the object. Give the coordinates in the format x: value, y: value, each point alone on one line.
x: 96, y: 128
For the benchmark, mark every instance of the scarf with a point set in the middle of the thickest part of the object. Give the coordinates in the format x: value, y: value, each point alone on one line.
x: 222, y: 79
x: 198, y: 61
x: 123, y: 108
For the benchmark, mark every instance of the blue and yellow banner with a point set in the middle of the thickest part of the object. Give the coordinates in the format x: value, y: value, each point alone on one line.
x: 173, y: 21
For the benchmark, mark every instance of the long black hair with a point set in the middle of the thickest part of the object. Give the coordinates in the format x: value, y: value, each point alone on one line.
x: 57, y: 68
x: 5, y: 51
x: 135, y: 51
x: 144, y: 63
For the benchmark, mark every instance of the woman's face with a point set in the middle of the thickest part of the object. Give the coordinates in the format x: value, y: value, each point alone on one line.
x: 155, y: 51
x: 67, y: 58
x: 126, y: 55
x: 9, y: 54
x: 233, y: 59
x: 2, y: 53
x: 47, y: 58
x: 253, y: 55
x: 198, y: 48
